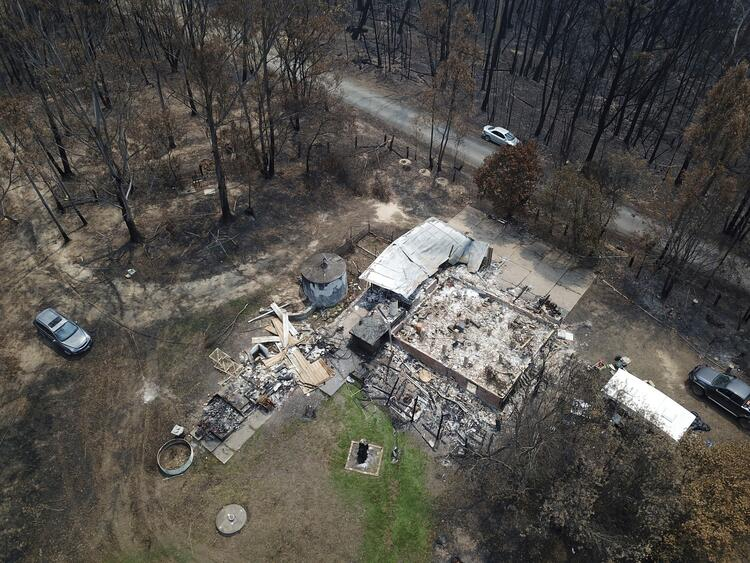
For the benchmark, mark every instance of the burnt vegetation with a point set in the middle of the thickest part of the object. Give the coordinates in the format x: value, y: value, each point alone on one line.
x: 129, y: 105
x: 659, y: 86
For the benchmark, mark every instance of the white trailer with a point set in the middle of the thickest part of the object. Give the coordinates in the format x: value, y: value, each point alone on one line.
x: 642, y: 399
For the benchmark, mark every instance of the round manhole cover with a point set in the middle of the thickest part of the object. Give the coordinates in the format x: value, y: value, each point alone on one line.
x: 230, y: 519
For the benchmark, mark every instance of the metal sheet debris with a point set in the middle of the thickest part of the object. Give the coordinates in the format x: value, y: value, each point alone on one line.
x: 418, y: 254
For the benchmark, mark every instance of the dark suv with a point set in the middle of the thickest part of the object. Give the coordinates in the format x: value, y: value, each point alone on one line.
x: 62, y: 333
x: 730, y: 393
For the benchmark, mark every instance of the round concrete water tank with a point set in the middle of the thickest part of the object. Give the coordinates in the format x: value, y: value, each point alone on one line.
x: 324, y: 279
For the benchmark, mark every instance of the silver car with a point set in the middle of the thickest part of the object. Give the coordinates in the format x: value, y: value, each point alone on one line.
x: 62, y: 333
x: 499, y: 136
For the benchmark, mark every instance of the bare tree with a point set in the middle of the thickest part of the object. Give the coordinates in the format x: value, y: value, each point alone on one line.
x: 213, y: 38
x: 66, y: 48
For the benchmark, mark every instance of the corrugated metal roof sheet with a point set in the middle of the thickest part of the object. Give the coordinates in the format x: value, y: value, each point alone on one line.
x: 417, y: 254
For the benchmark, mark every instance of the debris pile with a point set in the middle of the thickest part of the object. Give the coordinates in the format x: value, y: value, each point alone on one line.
x: 434, y: 404
x: 264, y: 377
x: 483, y: 338
x: 490, y: 280
x: 220, y: 418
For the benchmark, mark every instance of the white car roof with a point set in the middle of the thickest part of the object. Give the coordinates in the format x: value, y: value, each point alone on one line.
x: 641, y: 398
x: 500, y: 130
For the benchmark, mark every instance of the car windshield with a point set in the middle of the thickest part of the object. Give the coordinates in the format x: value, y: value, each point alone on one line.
x: 721, y: 380
x: 65, y: 331
x: 509, y: 136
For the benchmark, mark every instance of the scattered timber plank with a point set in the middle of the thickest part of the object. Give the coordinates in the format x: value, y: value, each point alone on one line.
x: 273, y: 360
x: 280, y: 313
x: 308, y: 374
x: 278, y: 329
x: 266, y: 313
x: 285, y: 330
x: 294, y: 357
x: 277, y: 326
x: 277, y: 310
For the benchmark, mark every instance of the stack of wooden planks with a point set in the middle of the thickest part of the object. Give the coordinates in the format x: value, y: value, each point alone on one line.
x: 285, y: 337
x: 309, y: 375
x: 281, y: 333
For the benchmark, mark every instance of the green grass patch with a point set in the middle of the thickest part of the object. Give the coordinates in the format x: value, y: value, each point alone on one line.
x: 397, y: 511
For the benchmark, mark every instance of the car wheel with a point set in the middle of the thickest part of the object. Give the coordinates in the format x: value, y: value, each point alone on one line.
x: 485, y: 137
x: 697, y: 390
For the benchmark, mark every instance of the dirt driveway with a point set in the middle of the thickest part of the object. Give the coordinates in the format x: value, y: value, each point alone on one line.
x: 618, y: 327
x: 79, y: 437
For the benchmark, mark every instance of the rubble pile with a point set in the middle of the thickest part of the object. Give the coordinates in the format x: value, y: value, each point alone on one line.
x: 268, y: 371
x: 257, y: 388
x: 481, y: 337
x: 438, y: 409
x: 489, y: 280
x: 259, y: 382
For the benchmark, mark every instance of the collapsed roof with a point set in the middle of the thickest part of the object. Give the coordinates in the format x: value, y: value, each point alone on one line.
x: 417, y: 254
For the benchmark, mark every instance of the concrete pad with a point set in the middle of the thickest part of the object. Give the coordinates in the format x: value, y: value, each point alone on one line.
x: 345, y: 362
x: 560, y: 259
x: 486, y: 230
x: 503, y: 250
x: 257, y: 419
x: 528, y: 261
x: 564, y: 298
x: 210, y: 442
x: 514, y: 274
x: 331, y: 386
x: 371, y: 465
x: 543, y: 278
x: 578, y: 280
x: 223, y: 453
x: 539, y: 249
x: 526, y: 257
x: 238, y: 438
